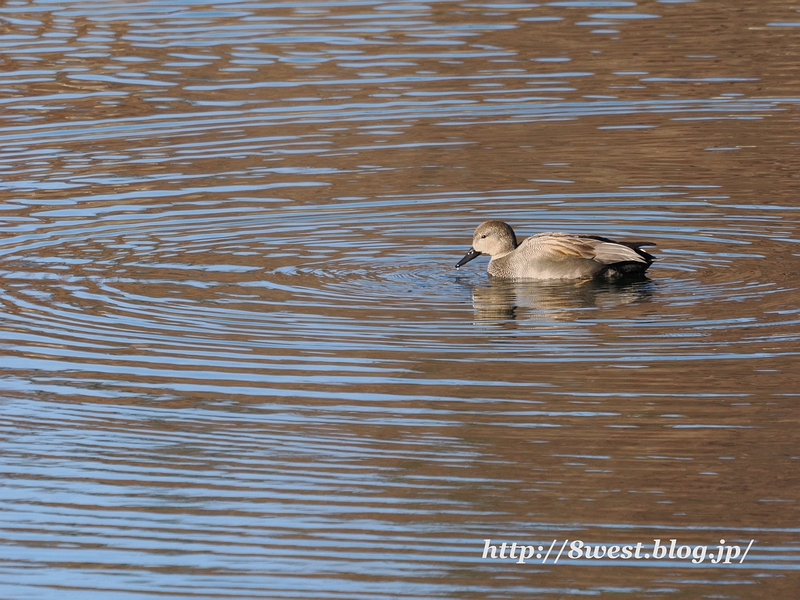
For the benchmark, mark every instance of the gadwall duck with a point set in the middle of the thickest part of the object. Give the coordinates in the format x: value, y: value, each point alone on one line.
x: 556, y: 255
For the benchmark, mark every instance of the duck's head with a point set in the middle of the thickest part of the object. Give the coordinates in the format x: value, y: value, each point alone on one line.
x: 493, y: 238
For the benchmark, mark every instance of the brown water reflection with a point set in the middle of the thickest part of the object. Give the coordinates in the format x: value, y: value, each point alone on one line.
x: 237, y: 362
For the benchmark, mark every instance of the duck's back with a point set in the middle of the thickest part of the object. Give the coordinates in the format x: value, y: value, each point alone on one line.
x: 568, y: 256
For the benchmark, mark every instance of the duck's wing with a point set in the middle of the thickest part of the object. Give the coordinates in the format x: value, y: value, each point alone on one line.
x: 565, y: 246
x: 560, y: 246
x: 611, y: 251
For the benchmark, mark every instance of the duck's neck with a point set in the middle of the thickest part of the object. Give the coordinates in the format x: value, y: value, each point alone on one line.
x: 501, y: 254
x: 514, y: 243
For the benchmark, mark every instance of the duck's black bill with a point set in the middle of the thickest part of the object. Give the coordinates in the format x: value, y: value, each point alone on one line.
x: 468, y: 257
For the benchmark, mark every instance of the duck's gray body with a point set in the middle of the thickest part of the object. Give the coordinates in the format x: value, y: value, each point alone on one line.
x: 555, y: 255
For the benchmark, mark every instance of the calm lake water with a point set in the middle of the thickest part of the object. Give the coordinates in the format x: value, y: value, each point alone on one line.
x: 236, y: 359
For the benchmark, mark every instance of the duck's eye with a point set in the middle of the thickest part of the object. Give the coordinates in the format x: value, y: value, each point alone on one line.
x: 483, y: 236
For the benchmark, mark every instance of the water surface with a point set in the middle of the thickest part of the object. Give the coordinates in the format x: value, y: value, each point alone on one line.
x: 237, y: 360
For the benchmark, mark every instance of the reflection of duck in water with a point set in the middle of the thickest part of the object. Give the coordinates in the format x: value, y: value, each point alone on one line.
x: 555, y: 300
x: 556, y: 255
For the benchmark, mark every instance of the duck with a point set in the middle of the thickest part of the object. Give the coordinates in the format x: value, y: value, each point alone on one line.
x: 553, y: 255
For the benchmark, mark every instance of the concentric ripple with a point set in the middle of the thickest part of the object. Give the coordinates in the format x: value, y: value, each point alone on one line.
x: 351, y: 272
